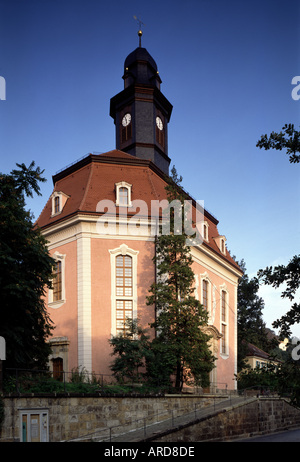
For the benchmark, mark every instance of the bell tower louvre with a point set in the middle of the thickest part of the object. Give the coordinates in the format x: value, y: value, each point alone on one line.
x: 141, y: 112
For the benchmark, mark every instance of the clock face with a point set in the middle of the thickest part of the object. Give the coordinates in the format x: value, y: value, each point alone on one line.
x: 159, y: 123
x: 126, y: 120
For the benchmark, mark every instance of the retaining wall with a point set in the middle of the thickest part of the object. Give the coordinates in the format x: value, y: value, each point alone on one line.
x: 71, y: 417
x: 265, y: 415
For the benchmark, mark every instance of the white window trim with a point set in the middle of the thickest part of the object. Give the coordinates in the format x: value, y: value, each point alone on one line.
x: 223, y: 288
x: 128, y: 186
x: 205, y: 224
x: 58, y: 303
x: 122, y: 250
x: 205, y: 277
x: 28, y: 413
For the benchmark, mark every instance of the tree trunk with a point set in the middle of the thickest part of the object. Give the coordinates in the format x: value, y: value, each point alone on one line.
x: 178, y: 382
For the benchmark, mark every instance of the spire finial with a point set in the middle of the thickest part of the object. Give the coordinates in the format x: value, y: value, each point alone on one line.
x: 140, y: 32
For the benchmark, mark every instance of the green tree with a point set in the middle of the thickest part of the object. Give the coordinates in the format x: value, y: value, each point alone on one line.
x: 25, y: 270
x: 131, y: 350
x: 288, y: 139
x: 288, y: 275
x: 251, y: 327
x: 179, y: 315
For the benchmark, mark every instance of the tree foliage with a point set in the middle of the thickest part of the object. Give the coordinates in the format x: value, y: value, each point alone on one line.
x: 131, y: 350
x: 289, y: 276
x: 288, y: 139
x: 25, y: 270
x: 251, y: 326
x: 179, y: 315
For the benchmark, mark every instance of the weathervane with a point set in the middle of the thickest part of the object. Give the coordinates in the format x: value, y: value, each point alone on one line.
x: 140, y: 33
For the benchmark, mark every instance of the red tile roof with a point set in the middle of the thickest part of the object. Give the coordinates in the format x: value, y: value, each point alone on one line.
x: 93, y: 178
x: 253, y: 350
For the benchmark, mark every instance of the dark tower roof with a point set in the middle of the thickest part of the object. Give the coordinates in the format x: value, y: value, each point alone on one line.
x: 139, y: 54
x: 140, y: 68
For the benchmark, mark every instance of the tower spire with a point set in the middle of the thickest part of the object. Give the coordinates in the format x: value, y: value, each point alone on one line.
x: 140, y: 32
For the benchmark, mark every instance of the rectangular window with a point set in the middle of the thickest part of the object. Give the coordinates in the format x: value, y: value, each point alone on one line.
x: 124, y: 276
x: 123, y: 312
x: 204, y: 294
x: 123, y: 196
x: 126, y: 133
x: 160, y: 137
x: 56, y: 204
x: 57, y: 282
x: 224, y: 322
x: 124, y: 289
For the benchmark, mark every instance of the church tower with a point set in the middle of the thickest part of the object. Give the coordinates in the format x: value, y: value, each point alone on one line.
x: 141, y: 112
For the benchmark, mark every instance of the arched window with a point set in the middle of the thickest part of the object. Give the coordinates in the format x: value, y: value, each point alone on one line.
x: 57, y: 282
x: 57, y: 294
x: 123, y: 194
x: 124, y: 287
x: 205, y: 294
x: 224, y: 322
x: 56, y: 204
x: 124, y: 290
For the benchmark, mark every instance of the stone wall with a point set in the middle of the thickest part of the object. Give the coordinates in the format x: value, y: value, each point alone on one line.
x: 71, y: 417
x: 76, y: 417
x: 259, y: 417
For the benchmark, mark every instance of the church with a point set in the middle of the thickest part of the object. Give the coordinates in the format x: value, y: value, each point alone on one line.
x: 104, y: 272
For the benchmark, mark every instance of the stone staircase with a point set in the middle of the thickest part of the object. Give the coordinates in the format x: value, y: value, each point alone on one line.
x: 150, y: 431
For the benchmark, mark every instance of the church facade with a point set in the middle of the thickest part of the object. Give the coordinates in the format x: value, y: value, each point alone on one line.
x: 100, y: 231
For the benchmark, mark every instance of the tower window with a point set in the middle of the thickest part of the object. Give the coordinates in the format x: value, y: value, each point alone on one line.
x: 160, y: 134
x: 126, y: 128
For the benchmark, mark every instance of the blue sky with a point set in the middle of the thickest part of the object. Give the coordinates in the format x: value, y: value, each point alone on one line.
x: 227, y: 69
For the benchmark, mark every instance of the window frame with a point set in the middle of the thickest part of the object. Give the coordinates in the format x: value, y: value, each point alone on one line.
x: 52, y: 302
x: 124, y: 251
x: 224, y: 322
x: 119, y: 186
x: 58, y: 201
x: 204, y: 278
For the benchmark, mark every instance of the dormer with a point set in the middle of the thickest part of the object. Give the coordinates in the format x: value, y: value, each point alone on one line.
x: 205, y: 231
x: 59, y: 200
x: 221, y: 243
x: 123, y: 194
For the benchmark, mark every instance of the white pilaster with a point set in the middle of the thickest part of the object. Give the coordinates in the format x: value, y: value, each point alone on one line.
x: 84, y: 301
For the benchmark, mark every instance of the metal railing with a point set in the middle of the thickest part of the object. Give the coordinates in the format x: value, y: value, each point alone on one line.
x: 45, y: 381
